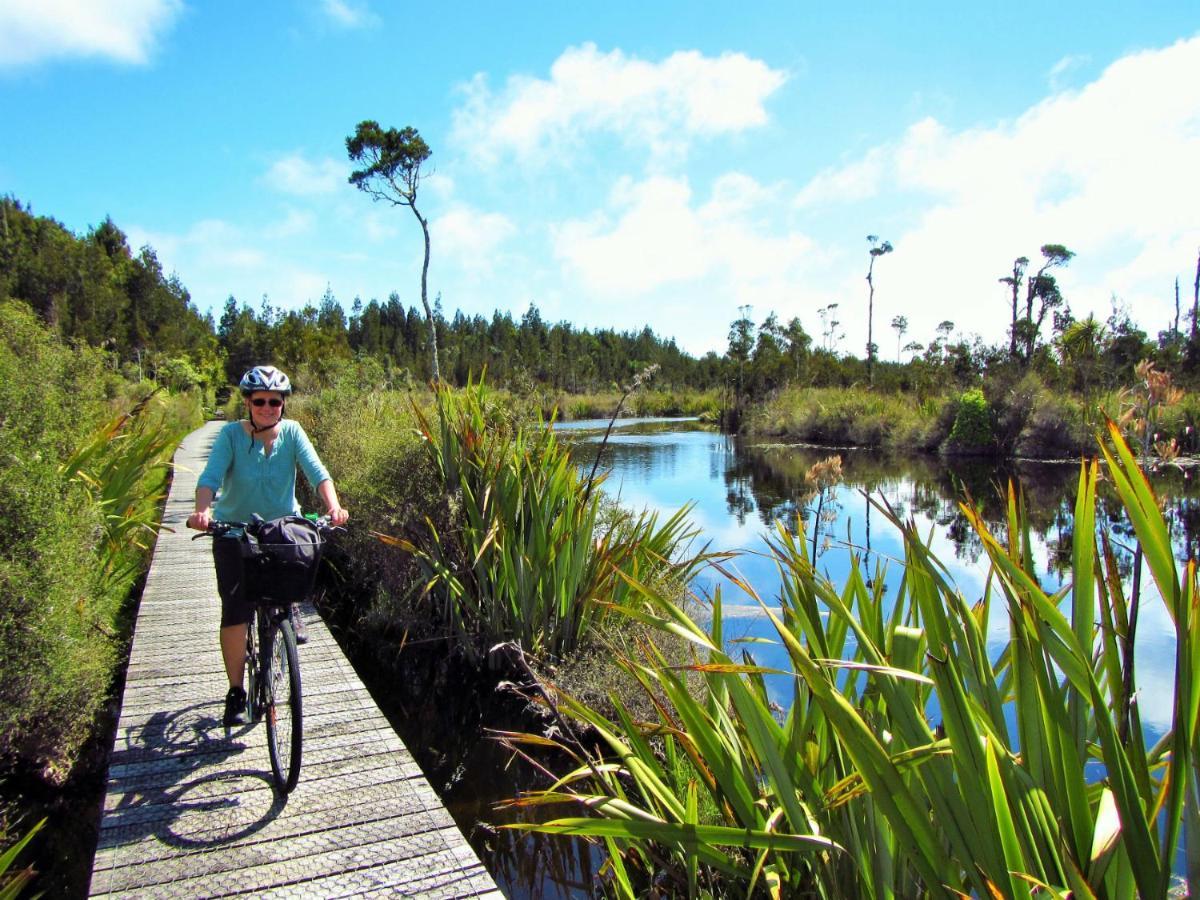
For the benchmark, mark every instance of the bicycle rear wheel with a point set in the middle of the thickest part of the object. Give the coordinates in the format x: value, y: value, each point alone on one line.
x: 284, y: 712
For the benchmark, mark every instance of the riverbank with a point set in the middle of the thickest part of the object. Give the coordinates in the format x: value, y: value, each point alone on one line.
x: 1023, y: 419
x: 643, y: 403
x: 928, y: 591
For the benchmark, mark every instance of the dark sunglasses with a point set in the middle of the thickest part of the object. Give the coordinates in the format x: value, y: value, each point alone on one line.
x: 274, y: 404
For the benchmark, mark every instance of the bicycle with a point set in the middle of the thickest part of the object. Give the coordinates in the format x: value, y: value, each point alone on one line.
x: 275, y: 576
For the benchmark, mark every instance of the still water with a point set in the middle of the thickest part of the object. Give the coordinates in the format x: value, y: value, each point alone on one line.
x: 738, y: 491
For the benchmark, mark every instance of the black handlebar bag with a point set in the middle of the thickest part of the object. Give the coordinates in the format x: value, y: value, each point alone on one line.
x: 280, y: 559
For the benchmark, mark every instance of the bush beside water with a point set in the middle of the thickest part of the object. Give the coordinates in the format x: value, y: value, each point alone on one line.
x: 388, y: 483
x: 1008, y: 415
x: 650, y: 402
x: 849, y: 417
x: 972, y: 428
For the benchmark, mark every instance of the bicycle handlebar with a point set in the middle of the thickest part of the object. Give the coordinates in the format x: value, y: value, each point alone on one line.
x: 218, y: 528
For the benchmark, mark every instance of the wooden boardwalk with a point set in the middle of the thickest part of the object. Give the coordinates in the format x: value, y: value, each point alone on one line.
x: 190, y: 809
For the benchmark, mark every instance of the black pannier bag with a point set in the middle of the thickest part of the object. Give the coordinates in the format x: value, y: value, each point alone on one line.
x: 280, y: 558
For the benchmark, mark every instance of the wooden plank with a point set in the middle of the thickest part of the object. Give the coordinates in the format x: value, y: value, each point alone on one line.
x: 190, y: 810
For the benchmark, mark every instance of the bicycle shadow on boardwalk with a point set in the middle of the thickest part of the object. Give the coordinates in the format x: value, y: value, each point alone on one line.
x: 175, y: 784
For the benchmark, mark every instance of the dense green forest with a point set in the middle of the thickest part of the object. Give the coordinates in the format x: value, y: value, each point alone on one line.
x: 97, y: 291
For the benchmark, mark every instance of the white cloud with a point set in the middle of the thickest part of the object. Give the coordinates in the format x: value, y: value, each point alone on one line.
x: 1107, y: 170
x: 295, y: 223
x: 1063, y: 67
x: 440, y: 187
x: 125, y: 31
x: 661, y: 106
x: 211, y: 244
x: 470, y: 238
x: 216, y: 258
x: 857, y: 181
x: 349, y: 13
x: 656, y: 250
x: 656, y: 240
x: 378, y: 225
x: 298, y: 176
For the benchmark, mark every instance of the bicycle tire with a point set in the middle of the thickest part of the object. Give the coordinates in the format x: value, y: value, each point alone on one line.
x: 284, y: 708
x: 253, y: 676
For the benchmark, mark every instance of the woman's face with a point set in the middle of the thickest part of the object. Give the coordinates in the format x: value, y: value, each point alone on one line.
x: 266, y: 407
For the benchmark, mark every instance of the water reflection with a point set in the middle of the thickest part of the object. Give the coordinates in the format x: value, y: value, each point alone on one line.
x: 741, y: 489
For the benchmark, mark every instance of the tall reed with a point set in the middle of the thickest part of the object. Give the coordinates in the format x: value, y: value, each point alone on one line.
x: 527, y: 557
x: 913, y: 759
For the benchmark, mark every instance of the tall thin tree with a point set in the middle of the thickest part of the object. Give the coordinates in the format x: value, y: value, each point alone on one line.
x: 900, y: 323
x: 1014, y: 282
x: 877, y: 250
x: 1196, y: 299
x: 392, y: 172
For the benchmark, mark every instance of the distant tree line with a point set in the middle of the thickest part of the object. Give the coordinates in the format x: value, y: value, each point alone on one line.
x: 94, y: 289
x: 516, y: 353
x: 1044, y: 337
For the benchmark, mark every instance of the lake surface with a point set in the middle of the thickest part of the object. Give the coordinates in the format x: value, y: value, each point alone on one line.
x: 739, y: 490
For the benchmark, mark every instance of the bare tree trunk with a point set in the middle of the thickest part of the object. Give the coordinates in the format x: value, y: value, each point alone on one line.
x: 870, y: 323
x: 1175, y: 327
x: 1012, y: 340
x: 433, y: 348
x: 1196, y: 299
x: 1015, y: 283
x: 1030, y: 336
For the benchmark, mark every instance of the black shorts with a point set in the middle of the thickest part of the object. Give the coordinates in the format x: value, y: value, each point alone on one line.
x: 227, y: 560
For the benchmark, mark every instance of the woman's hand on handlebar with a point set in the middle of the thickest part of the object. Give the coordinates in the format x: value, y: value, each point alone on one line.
x: 200, y: 520
x: 338, y: 516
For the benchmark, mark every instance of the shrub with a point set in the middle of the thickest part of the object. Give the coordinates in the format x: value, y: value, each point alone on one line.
x: 78, y: 495
x: 972, y: 429
x: 383, y: 477
x: 527, y: 559
x: 847, y: 416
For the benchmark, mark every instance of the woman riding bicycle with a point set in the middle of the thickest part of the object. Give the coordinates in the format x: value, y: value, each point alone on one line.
x: 253, y: 467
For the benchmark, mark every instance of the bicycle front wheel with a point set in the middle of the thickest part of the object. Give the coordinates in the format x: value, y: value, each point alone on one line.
x: 284, y: 712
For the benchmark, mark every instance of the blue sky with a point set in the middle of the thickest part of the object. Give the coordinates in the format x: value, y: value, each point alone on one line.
x: 626, y: 164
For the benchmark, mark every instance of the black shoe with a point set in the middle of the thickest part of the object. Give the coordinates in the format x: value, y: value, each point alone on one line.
x: 298, y: 627
x: 235, y: 707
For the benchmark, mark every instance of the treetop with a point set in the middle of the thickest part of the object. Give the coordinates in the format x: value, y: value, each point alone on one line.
x: 393, y: 156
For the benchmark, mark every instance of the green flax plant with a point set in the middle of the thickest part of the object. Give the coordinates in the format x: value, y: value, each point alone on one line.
x: 914, y: 759
x: 14, y: 882
x: 526, y: 556
x: 123, y: 466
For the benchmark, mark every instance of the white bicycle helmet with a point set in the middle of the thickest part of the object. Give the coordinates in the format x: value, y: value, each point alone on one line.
x: 264, y: 378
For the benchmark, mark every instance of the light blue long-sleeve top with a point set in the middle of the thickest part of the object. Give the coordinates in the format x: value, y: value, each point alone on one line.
x: 247, y: 481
